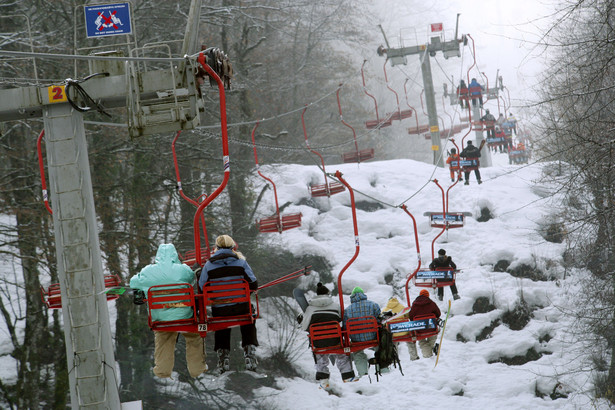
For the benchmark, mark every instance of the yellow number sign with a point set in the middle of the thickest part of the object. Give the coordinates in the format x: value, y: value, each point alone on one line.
x: 56, y: 94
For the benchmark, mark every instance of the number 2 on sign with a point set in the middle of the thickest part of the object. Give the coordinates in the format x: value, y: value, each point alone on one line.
x: 56, y: 94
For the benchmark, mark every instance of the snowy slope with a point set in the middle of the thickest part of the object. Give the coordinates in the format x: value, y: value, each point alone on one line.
x: 464, y: 378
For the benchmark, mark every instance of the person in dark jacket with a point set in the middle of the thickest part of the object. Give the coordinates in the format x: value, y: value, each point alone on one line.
x: 462, y: 93
x: 321, y: 309
x: 423, y: 305
x: 360, y: 306
x: 489, y: 122
x: 225, y: 264
x: 443, y: 261
x: 471, y: 152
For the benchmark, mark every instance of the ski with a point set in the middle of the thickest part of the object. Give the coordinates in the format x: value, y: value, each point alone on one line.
x: 442, y: 335
x: 482, y: 144
x: 299, y: 295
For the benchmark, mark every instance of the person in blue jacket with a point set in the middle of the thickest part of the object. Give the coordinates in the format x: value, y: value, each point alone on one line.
x: 476, y: 92
x: 227, y: 263
x: 360, y: 306
x: 168, y: 270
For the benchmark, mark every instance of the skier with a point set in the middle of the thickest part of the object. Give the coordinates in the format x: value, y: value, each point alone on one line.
x: 360, y: 306
x: 443, y: 261
x: 423, y: 305
x: 168, y: 270
x: 471, y: 152
x: 454, y: 168
x: 320, y: 309
x: 489, y: 122
x: 225, y: 264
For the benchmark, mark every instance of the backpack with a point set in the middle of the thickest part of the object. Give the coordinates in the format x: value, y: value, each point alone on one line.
x: 386, y: 352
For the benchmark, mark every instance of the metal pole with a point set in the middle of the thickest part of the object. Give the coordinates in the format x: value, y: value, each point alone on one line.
x: 432, y: 113
x: 87, y: 332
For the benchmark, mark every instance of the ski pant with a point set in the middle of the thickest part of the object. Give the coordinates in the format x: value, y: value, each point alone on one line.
x: 360, y: 362
x: 412, y: 350
x: 164, y: 353
x: 455, y: 171
x: 476, y: 174
x: 222, y: 338
x: 427, y: 345
x: 342, y: 362
x: 441, y: 291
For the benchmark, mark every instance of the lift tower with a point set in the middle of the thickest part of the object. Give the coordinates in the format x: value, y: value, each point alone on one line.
x: 449, y: 49
x: 158, y: 101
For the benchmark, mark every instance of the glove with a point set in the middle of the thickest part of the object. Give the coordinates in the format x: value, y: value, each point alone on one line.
x: 139, y: 297
x: 300, y: 318
x: 440, y: 322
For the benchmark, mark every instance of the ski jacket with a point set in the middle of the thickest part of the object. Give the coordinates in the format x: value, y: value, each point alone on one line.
x: 489, y: 120
x: 442, y: 263
x: 422, y: 305
x: 227, y: 265
x: 475, y: 87
x: 321, y: 308
x: 470, y: 151
x: 451, y: 158
x: 360, y: 307
x: 394, y: 306
x: 166, y: 270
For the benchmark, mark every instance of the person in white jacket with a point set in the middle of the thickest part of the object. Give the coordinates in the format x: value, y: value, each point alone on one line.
x: 321, y: 309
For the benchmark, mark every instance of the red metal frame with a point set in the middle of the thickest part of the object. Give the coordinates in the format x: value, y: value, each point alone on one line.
x: 377, y: 123
x: 356, y: 155
x: 327, y: 330
x: 189, y: 257
x: 276, y: 222
x: 328, y: 188
x: 225, y: 159
x: 52, y: 297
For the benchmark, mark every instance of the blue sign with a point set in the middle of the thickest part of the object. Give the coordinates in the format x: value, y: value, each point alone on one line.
x: 410, y: 325
x: 435, y: 274
x: 107, y: 20
x: 449, y: 217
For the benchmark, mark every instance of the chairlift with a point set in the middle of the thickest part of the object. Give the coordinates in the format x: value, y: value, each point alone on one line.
x: 276, y: 222
x: 189, y: 257
x: 356, y: 155
x: 328, y: 188
x: 399, y: 114
x: 52, y: 297
x: 330, y: 337
x: 377, y: 123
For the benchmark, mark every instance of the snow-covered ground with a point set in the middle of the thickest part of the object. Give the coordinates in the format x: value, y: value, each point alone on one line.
x: 464, y: 378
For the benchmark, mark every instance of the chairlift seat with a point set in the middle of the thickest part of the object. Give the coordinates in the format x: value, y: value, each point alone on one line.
x: 279, y: 223
x: 406, y: 114
x: 418, y: 130
x: 52, y: 297
x: 371, y: 124
x: 340, y: 340
x: 224, y: 292
x: 189, y: 257
x: 404, y: 330
x: 326, y: 189
x: 449, y: 219
x: 358, y: 156
x: 171, y: 296
x: 434, y: 278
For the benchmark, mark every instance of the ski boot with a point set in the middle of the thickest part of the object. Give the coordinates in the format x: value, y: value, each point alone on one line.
x: 249, y: 353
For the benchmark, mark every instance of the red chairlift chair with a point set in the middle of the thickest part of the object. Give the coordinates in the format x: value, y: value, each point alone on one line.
x: 276, y: 222
x: 377, y: 123
x: 328, y: 188
x: 189, y: 257
x: 399, y: 114
x: 329, y: 337
x: 356, y: 155
x: 52, y: 297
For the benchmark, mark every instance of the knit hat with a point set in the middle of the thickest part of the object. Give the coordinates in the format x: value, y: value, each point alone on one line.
x: 356, y: 290
x: 469, y: 142
x: 441, y: 252
x: 321, y: 289
x: 424, y: 292
x: 225, y: 241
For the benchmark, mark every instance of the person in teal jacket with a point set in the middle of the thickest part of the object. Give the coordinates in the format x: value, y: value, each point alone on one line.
x: 168, y: 270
